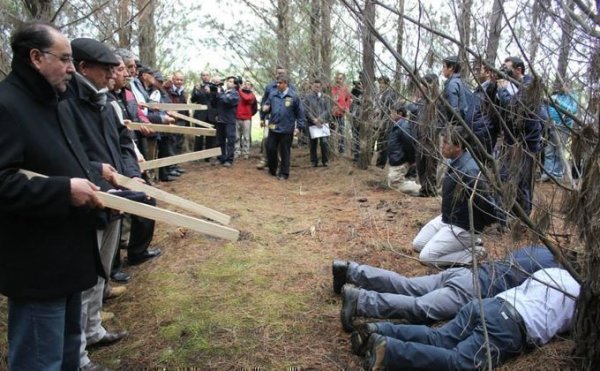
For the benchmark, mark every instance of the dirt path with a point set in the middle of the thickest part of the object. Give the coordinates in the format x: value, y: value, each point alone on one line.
x: 266, y: 301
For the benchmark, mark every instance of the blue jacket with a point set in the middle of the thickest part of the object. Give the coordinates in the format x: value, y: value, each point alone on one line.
x: 454, y: 93
x: 286, y: 111
x: 458, y: 184
x: 270, y: 88
x: 524, y: 123
x: 401, y: 143
x: 496, y: 277
x: 565, y: 102
x: 226, y: 103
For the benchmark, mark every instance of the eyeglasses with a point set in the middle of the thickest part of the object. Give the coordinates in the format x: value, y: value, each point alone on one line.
x: 66, y: 59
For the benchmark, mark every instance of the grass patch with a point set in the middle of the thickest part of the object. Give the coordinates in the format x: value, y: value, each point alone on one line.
x: 228, y: 305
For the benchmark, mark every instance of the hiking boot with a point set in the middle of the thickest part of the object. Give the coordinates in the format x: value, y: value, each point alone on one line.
x: 348, y: 311
x: 360, y: 338
x: 375, y: 353
x: 339, y: 269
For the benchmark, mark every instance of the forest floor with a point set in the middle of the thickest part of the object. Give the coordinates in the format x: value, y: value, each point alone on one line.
x: 266, y: 301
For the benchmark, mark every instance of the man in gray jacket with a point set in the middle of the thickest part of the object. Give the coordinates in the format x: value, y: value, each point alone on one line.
x: 318, y: 114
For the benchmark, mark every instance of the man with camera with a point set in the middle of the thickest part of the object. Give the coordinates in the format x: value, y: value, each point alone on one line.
x: 225, y: 101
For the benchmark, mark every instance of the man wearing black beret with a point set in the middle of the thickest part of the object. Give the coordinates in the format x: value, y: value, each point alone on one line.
x: 110, y: 149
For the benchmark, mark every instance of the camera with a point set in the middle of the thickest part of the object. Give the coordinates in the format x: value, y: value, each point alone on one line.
x: 505, y: 71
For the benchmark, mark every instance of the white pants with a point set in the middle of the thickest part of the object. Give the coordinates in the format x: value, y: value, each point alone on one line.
x: 91, y: 299
x: 396, y: 179
x: 444, y: 244
x: 242, y: 138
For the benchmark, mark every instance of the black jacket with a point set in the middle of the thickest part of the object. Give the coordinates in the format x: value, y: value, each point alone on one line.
x: 48, y: 248
x: 401, y: 143
x: 104, y: 138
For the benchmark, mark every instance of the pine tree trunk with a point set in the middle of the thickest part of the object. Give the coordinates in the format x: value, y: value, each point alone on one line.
x: 283, y: 36
x: 368, y: 61
x: 567, y: 27
x: 147, y: 33
x: 399, y: 45
x: 326, y: 39
x: 464, y: 30
x: 491, y: 50
x: 124, y: 19
x: 315, y: 31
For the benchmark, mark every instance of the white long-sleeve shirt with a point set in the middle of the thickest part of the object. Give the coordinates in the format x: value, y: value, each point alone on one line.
x: 546, y: 311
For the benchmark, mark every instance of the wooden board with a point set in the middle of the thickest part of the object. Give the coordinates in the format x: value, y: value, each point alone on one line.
x: 175, y: 106
x: 172, y: 199
x: 192, y: 120
x: 187, y: 157
x: 166, y: 216
x: 160, y: 215
x: 175, y: 129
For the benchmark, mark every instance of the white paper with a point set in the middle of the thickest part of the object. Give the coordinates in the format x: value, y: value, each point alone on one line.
x: 319, y: 132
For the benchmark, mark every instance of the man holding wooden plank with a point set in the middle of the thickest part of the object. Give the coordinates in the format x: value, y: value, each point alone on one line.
x: 110, y: 149
x: 48, y: 246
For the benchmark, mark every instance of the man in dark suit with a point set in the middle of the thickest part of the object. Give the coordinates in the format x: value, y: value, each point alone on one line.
x: 48, y: 248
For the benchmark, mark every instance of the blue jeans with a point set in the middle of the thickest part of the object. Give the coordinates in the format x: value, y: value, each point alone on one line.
x: 554, y: 151
x: 44, y: 334
x: 458, y: 345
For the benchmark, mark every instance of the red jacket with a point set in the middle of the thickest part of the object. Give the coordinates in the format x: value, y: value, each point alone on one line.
x: 341, y: 100
x: 244, y: 107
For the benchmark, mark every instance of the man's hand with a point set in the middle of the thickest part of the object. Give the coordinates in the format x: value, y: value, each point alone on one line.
x: 83, y: 193
x: 146, y: 131
x: 266, y: 108
x: 139, y: 180
x: 296, y: 132
x: 108, y: 174
x: 168, y: 120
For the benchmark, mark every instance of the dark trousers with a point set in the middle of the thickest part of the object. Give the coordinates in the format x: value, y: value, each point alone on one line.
x: 226, y: 140
x: 519, y: 166
x: 141, y: 232
x: 382, y: 143
x: 340, y: 124
x: 457, y: 345
x: 165, y: 149
x: 323, y: 142
x: 279, y: 143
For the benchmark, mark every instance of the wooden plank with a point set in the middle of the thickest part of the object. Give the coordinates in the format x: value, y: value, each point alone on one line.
x: 186, y: 157
x: 166, y: 216
x: 192, y: 120
x: 173, y: 129
x: 160, y: 215
x: 172, y: 199
x: 175, y: 106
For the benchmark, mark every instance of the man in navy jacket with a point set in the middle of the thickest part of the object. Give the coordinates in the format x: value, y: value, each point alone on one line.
x: 287, y: 118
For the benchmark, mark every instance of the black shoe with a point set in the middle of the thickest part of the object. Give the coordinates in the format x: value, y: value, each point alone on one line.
x: 109, y: 338
x: 360, y: 338
x: 348, y: 311
x: 326, y: 164
x: 180, y: 170
x: 145, y: 256
x: 167, y: 178
x: 282, y: 177
x: 375, y: 353
x: 120, y: 276
x: 175, y: 173
x: 314, y: 164
x: 339, y: 268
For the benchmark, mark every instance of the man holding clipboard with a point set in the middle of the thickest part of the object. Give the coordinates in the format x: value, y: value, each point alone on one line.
x: 318, y: 114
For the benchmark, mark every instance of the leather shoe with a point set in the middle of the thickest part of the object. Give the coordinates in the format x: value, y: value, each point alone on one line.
x: 174, y: 173
x: 339, y: 269
x: 120, y: 276
x: 360, y: 337
x: 145, y: 256
x: 167, y: 178
x: 350, y: 298
x: 375, y: 353
x: 109, y: 338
